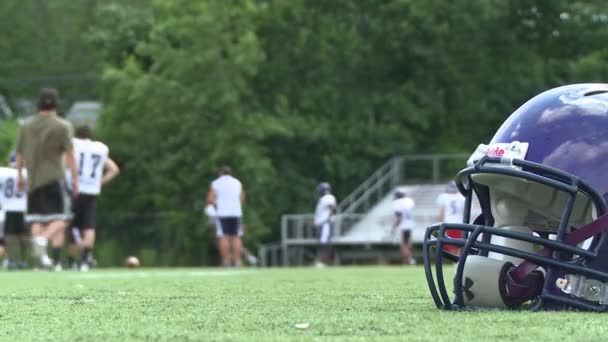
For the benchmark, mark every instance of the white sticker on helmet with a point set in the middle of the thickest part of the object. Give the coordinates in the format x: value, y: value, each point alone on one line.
x: 505, y: 151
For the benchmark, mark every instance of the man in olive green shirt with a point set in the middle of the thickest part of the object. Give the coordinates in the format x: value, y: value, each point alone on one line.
x: 41, y: 145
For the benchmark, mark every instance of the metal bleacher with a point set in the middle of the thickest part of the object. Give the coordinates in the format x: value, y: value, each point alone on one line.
x: 376, y: 226
x: 362, y: 227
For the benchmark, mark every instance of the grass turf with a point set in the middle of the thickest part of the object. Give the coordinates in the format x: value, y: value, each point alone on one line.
x: 348, y: 304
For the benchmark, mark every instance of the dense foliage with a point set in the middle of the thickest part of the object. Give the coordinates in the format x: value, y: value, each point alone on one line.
x: 294, y: 92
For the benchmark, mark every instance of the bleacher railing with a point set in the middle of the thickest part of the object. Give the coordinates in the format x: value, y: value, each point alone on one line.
x: 385, y: 178
x: 398, y: 171
x: 298, y: 229
x: 301, y: 228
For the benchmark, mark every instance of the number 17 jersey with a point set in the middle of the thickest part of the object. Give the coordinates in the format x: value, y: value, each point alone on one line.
x: 90, y: 157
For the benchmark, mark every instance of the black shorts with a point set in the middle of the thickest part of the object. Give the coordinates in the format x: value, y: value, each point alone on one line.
x: 229, y: 225
x: 405, y: 236
x: 50, y: 202
x: 14, y: 223
x: 85, y: 211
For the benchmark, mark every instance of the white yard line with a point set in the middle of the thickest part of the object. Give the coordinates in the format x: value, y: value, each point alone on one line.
x: 152, y: 274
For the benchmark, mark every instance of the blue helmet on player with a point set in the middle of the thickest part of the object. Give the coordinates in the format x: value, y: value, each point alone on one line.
x: 323, y: 188
x: 451, y: 187
x: 399, y: 193
x: 541, y: 240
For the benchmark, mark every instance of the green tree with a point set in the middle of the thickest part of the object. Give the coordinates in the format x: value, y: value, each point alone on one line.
x: 177, y: 108
x: 293, y: 93
x: 290, y: 93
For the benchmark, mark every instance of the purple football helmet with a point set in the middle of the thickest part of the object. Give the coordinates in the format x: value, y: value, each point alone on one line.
x: 541, y: 239
x: 399, y: 193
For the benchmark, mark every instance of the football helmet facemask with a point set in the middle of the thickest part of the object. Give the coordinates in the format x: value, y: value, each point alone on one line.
x: 540, y: 241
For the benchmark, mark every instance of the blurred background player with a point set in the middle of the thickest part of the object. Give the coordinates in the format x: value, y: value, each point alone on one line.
x: 217, y: 233
x: 404, y: 222
x: 14, y: 204
x: 42, y: 142
x: 324, y: 217
x: 246, y: 254
x: 451, y: 210
x: 226, y: 195
x: 95, y: 168
x: 216, y: 230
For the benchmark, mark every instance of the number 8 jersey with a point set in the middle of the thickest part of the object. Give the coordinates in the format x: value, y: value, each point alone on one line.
x: 11, y: 198
x: 90, y: 157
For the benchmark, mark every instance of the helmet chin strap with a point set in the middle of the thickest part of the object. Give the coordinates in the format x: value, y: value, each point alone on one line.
x: 521, y: 271
x: 522, y: 281
x: 499, y: 280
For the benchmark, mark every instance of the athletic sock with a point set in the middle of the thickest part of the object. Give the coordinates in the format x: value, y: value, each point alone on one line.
x: 56, y: 255
x: 86, y: 255
x: 39, y: 244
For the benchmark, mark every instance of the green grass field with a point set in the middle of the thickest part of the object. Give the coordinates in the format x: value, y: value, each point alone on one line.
x: 338, y: 304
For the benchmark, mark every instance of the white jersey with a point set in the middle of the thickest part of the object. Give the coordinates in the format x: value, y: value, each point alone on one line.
x: 323, y: 211
x: 453, y: 207
x: 403, y: 207
x: 90, y: 157
x: 228, y: 196
x: 11, y: 198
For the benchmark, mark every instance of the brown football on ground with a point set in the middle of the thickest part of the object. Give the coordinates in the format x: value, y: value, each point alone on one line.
x: 132, y: 262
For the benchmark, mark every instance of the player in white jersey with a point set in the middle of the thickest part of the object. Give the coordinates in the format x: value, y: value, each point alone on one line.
x: 14, y: 204
x: 226, y: 195
x: 404, y: 221
x: 324, y: 218
x: 451, y: 210
x: 95, y: 168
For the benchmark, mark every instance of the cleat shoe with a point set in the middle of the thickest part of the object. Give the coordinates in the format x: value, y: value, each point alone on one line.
x: 39, y: 245
x: 58, y: 268
x: 252, y: 260
x: 84, y: 267
x: 45, y: 261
